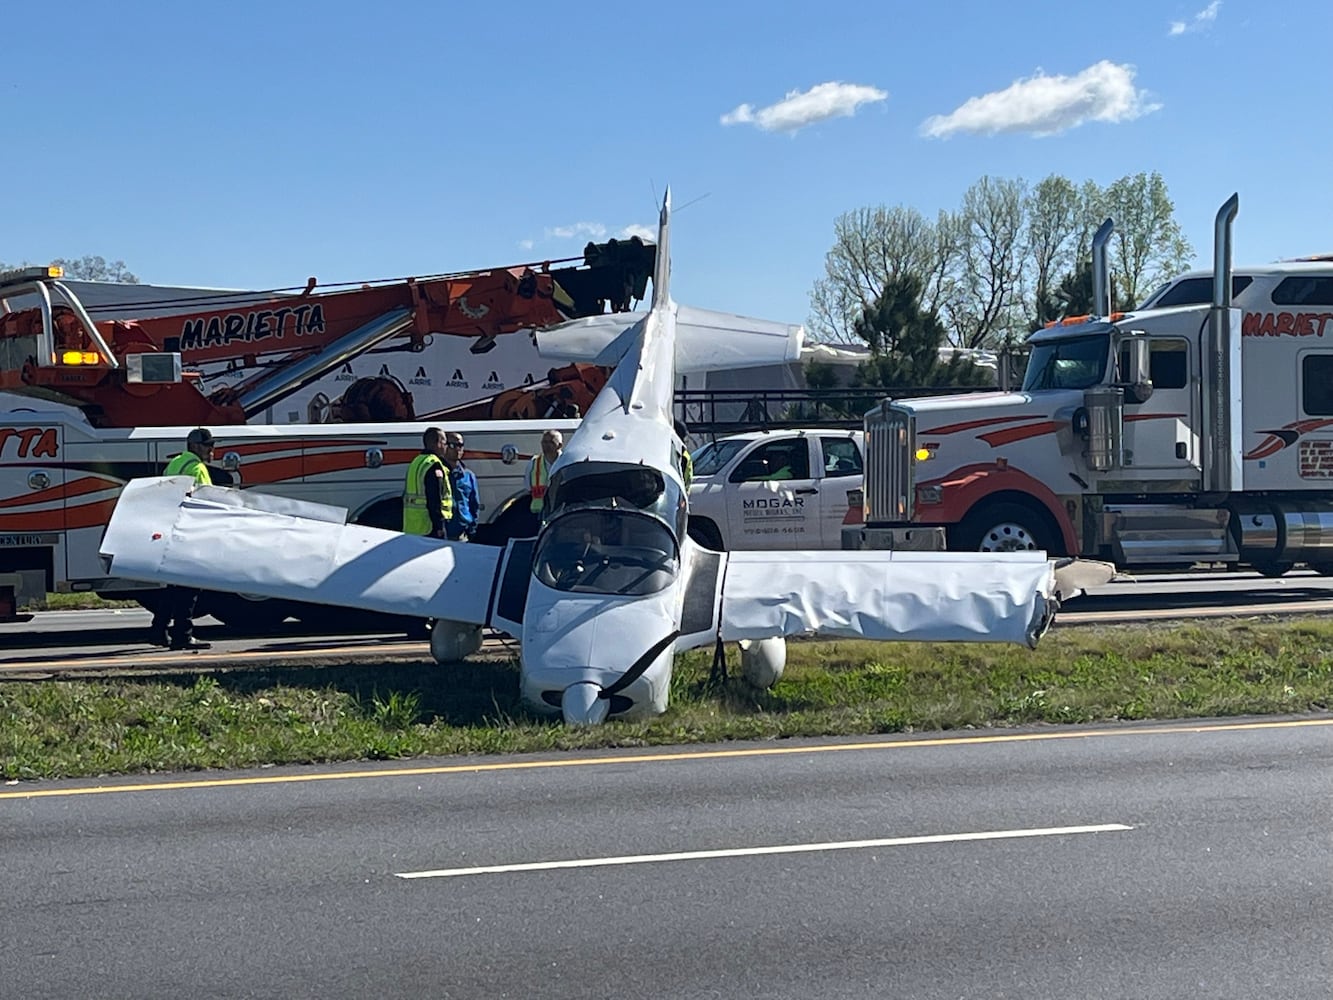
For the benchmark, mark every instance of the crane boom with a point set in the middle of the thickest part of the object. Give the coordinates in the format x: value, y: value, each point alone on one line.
x: 134, y: 372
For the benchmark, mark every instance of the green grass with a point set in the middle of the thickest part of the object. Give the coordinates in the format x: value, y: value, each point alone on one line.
x: 76, y: 602
x: 283, y: 715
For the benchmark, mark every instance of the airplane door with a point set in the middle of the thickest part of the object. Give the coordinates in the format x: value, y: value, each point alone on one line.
x: 510, y: 587
x: 1161, y: 433
x: 772, y: 500
x: 842, y: 466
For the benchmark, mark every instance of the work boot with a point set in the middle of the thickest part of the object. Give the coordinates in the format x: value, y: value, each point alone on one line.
x: 156, y: 638
x: 190, y: 644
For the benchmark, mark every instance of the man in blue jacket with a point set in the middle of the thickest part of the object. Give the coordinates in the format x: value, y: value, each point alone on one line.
x: 463, y: 524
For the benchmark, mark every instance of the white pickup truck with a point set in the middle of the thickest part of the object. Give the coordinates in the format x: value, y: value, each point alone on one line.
x: 782, y: 489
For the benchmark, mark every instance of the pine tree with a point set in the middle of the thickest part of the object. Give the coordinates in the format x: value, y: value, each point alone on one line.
x: 905, y: 342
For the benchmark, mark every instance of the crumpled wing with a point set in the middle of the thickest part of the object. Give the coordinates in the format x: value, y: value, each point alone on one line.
x: 889, y: 595
x: 165, y: 530
x: 705, y: 340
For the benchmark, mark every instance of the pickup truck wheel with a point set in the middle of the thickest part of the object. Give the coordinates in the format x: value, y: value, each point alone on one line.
x: 705, y: 533
x: 1003, y: 527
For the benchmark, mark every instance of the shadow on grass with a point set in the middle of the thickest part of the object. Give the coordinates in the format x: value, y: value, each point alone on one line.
x: 468, y: 693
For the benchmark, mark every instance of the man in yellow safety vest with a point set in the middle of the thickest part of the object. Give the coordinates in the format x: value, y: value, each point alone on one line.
x: 539, y: 470
x: 428, y: 498
x: 428, y: 501
x: 173, y: 617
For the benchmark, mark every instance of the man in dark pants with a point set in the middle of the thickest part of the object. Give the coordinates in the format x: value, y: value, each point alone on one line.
x: 463, y: 525
x: 177, y: 606
x: 428, y: 500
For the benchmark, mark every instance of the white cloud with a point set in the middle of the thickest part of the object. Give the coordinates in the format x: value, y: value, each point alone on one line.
x: 579, y: 230
x: 594, y: 231
x: 1045, y: 105
x: 799, y: 109
x: 1199, y: 22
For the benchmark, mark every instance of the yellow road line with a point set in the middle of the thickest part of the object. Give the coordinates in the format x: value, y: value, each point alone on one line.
x: 659, y: 758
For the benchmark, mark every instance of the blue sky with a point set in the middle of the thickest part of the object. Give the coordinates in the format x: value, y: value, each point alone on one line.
x: 249, y: 144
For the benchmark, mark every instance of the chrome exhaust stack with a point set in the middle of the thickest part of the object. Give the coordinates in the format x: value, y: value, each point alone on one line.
x: 1101, y: 272
x: 1221, y: 366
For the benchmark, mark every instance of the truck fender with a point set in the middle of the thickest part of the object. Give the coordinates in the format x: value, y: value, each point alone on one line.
x: 965, y: 488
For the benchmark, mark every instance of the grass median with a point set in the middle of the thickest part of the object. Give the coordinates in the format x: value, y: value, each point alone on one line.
x: 287, y: 715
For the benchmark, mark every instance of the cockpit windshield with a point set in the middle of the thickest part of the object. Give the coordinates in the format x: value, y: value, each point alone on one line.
x: 1077, y: 363
x: 599, y: 551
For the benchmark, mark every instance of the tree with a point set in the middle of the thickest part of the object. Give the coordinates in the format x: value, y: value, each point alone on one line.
x: 990, y: 269
x: 871, y: 246
x: 1072, y: 297
x: 1054, y: 210
x: 1148, y: 245
x: 90, y: 268
x: 992, y: 217
x: 905, y: 341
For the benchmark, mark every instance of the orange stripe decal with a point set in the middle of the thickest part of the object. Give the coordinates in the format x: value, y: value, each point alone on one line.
x: 1011, y: 434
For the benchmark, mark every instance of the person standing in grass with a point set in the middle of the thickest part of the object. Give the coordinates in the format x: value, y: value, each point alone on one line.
x: 173, y: 619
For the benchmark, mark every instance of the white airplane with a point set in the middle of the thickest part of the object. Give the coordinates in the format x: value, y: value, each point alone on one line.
x: 612, y: 587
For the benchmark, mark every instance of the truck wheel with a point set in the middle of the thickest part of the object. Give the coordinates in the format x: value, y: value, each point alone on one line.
x: 1322, y: 568
x: 705, y: 533
x: 1003, y: 527
x: 1274, y: 569
x: 256, y: 615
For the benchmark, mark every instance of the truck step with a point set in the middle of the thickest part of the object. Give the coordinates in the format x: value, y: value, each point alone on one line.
x: 1162, y: 535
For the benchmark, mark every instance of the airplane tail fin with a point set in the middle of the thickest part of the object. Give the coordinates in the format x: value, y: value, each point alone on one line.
x: 662, y: 264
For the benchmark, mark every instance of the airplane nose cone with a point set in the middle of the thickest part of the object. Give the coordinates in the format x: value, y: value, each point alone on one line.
x: 581, y: 706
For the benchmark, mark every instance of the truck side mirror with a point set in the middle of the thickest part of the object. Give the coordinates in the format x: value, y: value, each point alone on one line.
x: 1136, y: 368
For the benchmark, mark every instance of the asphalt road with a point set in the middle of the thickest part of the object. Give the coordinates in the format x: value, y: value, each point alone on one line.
x: 71, y: 642
x: 1161, y: 861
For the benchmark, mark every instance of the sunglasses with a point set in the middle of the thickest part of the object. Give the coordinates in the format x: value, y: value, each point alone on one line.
x: 453, y: 444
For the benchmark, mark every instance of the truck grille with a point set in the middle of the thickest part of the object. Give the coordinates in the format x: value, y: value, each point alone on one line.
x: 889, y: 481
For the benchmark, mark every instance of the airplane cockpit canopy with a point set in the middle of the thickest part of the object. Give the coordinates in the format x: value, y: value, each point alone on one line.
x: 601, y: 550
x: 625, y: 487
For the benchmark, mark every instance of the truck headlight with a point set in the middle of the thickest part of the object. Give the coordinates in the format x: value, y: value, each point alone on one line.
x: 929, y: 494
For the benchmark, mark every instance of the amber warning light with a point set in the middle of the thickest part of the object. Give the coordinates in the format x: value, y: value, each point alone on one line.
x: 18, y: 274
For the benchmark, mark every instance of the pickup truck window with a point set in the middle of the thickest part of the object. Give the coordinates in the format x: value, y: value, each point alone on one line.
x: 841, y: 457
x: 776, y: 460
x: 713, y: 457
x: 1078, y: 363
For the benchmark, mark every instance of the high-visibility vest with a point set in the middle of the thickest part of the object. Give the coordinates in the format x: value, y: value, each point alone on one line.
x: 539, y: 474
x: 416, y: 515
x: 686, y: 467
x: 187, y: 463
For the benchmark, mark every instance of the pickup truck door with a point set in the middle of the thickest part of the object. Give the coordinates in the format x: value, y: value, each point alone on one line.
x: 841, y: 461
x: 772, y: 500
